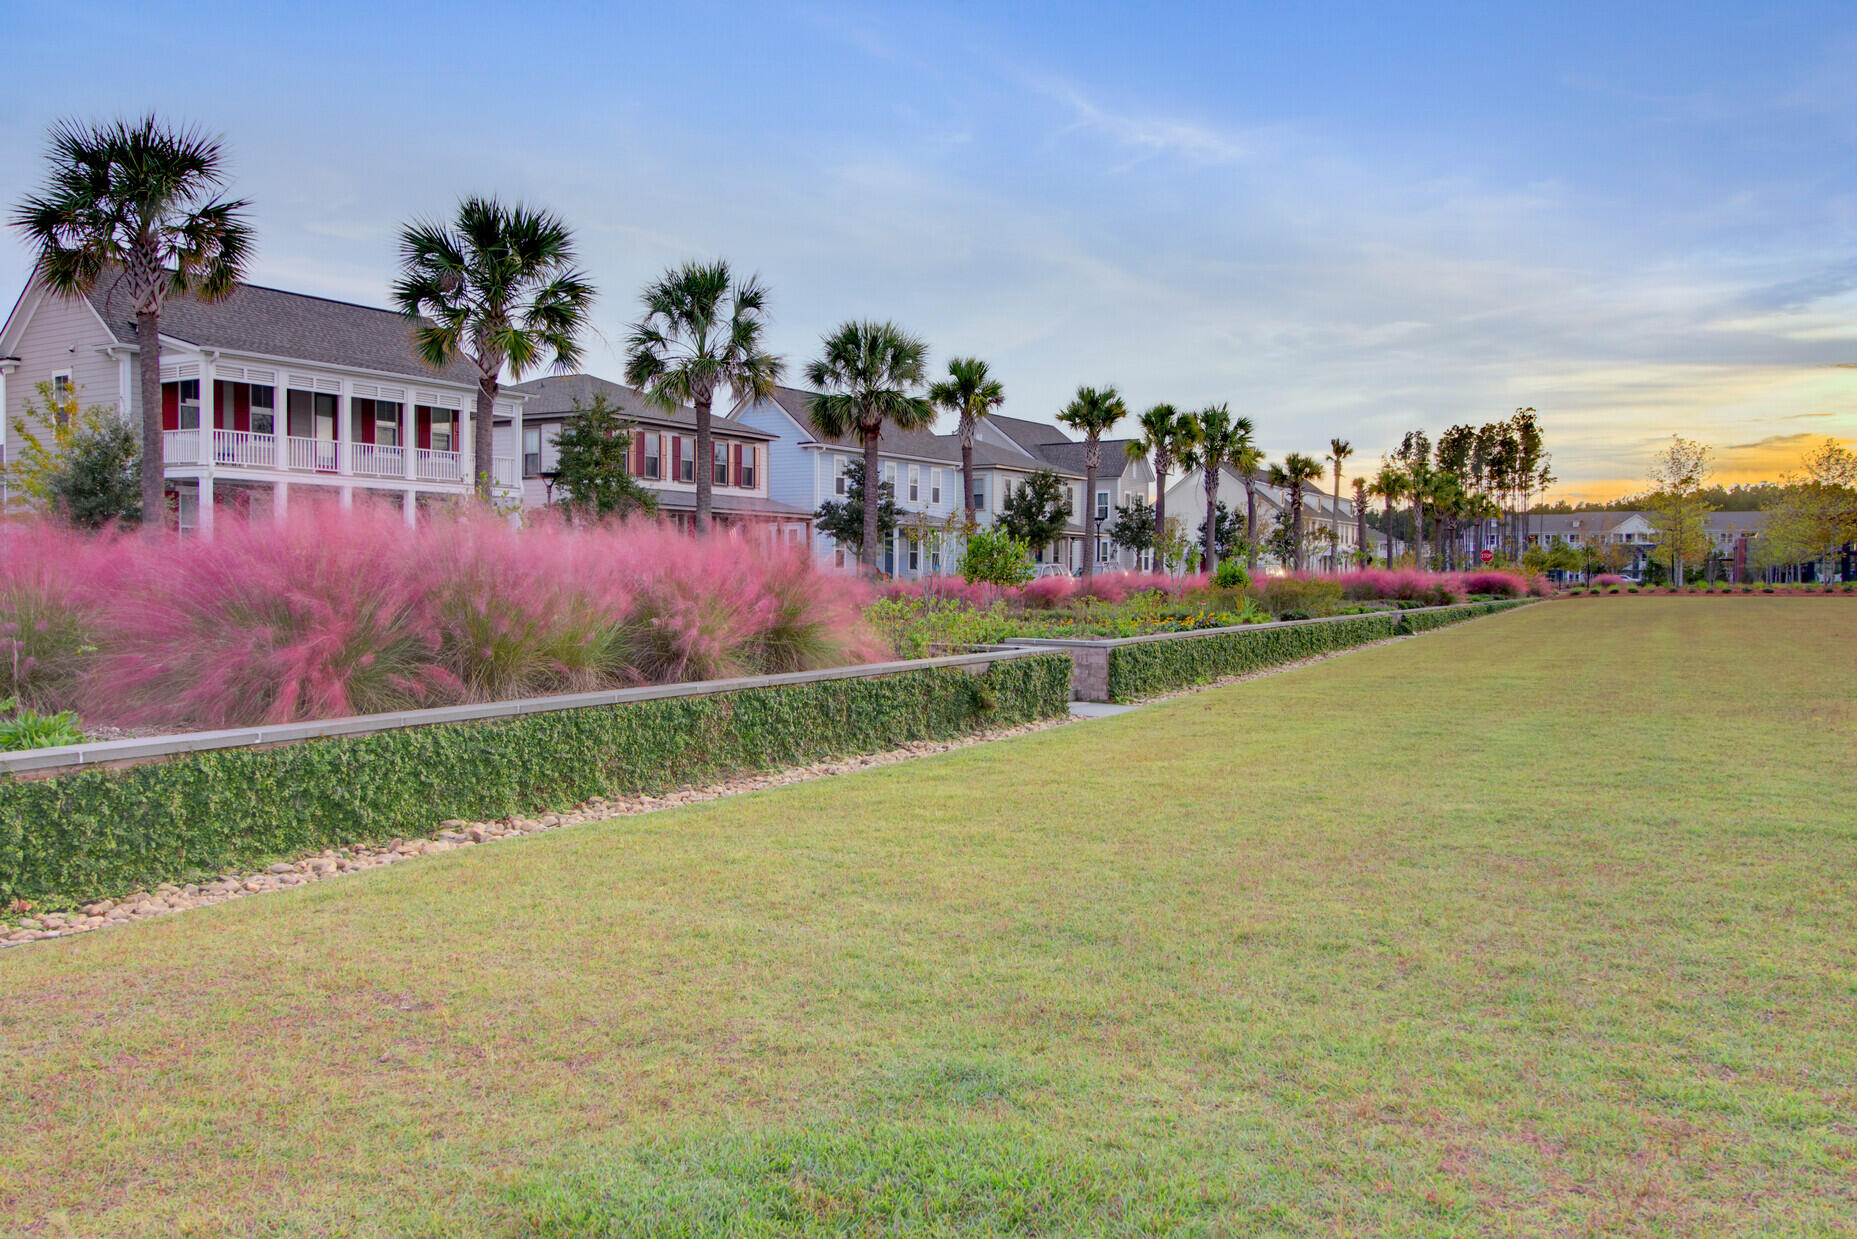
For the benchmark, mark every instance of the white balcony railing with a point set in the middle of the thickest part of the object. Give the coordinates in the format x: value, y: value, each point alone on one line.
x: 503, y: 471
x: 244, y: 448
x: 180, y: 447
x: 376, y: 460
x: 431, y: 465
x: 314, y: 455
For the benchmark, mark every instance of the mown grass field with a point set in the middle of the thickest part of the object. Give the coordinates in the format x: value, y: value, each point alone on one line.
x: 1543, y: 924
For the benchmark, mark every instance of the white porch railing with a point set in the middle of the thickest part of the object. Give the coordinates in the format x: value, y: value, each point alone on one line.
x: 376, y: 460
x: 430, y: 465
x: 314, y: 455
x: 244, y: 448
x: 180, y: 447
x: 503, y: 471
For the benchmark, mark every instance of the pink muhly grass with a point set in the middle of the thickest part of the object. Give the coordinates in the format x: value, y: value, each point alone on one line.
x: 1504, y: 584
x: 328, y: 614
x: 53, y: 583
x: 1047, y: 593
x: 1609, y: 580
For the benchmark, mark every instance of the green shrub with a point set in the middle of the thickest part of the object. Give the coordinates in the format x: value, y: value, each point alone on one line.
x: 1230, y: 574
x: 995, y: 557
x: 22, y: 729
x: 95, y: 833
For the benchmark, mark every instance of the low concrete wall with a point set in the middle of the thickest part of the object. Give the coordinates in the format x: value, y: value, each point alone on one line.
x: 118, y: 753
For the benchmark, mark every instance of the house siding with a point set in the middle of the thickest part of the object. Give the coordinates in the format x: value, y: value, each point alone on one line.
x: 63, y: 334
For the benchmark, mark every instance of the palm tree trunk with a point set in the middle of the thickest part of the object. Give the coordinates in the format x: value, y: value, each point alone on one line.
x: 1089, y: 523
x: 1211, y: 554
x: 1160, y: 512
x: 1250, y: 526
x: 967, y: 467
x: 1334, y: 547
x: 1296, y: 529
x: 482, y: 436
x: 148, y: 380
x: 1361, y: 557
x: 706, y: 466
x: 873, y: 496
x: 1389, y: 533
x: 1418, y: 534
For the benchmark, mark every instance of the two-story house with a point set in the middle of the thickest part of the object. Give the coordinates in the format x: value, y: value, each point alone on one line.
x: 265, y: 394
x: 1118, y: 480
x: 808, y: 468
x: 663, y: 456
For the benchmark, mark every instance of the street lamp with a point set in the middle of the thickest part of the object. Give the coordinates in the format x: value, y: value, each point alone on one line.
x: 548, y: 477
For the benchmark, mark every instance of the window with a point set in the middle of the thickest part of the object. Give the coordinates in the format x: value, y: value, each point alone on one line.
x: 1102, y: 550
x: 64, y: 399
x: 749, y: 452
x: 915, y: 555
x: 839, y: 465
x: 386, y: 422
x: 654, y: 456
x: 1102, y: 505
x: 915, y: 485
x: 980, y: 494
x: 263, y: 410
x: 889, y: 477
x: 934, y: 485
x: 444, y: 436
x: 719, y: 463
x: 531, y: 451
x: 935, y: 559
x: 686, y: 460
x: 190, y: 404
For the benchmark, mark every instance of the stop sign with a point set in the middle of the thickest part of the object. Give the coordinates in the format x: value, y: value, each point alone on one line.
x: 1488, y: 555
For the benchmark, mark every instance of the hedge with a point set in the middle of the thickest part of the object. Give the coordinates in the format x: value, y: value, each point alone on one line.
x: 1144, y: 668
x: 95, y: 833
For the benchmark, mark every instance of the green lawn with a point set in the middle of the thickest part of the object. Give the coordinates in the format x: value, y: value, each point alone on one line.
x: 1542, y: 924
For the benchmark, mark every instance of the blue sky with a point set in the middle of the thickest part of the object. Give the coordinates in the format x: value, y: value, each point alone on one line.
x: 1342, y: 220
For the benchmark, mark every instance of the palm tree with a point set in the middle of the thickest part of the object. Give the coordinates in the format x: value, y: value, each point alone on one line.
x: 1092, y: 412
x: 1216, y: 435
x: 496, y: 286
x: 1166, y: 436
x: 701, y: 330
x: 1420, y: 480
x: 869, y: 374
x: 1361, y: 554
x: 1338, y: 452
x: 1247, y: 458
x: 971, y: 393
x: 1389, y: 485
x: 141, y: 199
x: 1293, y: 477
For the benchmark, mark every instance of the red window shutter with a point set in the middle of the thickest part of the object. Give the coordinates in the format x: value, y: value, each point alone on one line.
x: 422, y: 427
x: 170, y: 406
x: 676, y: 473
x: 241, y: 407
x: 638, y: 453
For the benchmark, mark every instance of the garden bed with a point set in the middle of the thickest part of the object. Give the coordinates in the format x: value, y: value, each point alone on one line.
x: 89, y: 821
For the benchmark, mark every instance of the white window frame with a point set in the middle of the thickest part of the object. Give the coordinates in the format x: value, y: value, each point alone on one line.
x: 915, y: 483
x: 654, y: 456
x: 384, y: 424
x: 839, y: 465
x: 270, y: 409
x: 749, y: 451
x: 180, y: 412
x: 531, y: 433
x: 934, y: 485
x: 719, y: 460
x: 1102, y: 505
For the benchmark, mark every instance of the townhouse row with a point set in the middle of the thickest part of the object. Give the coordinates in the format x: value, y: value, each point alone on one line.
x: 270, y: 396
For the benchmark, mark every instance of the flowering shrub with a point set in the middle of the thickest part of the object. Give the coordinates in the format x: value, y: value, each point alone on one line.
x: 1048, y: 592
x: 1501, y: 584
x: 335, y: 613
x: 1399, y: 585
x: 1608, y: 580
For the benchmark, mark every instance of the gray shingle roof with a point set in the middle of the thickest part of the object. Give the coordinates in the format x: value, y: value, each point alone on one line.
x: 924, y: 444
x: 555, y: 396
x: 273, y: 323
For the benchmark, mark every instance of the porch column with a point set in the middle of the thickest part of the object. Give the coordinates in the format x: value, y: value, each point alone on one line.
x: 467, y: 435
x: 344, y: 430
x: 515, y: 425
x: 209, y: 421
x: 409, y: 507
x: 407, y: 445
x: 280, y: 418
x: 203, y: 520
x: 348, y: 495
x: 280, y: 502
x: 7, y: 365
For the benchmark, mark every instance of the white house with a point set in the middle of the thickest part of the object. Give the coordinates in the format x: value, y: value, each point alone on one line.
x: 1118, y: 478
x: 265, y: 394
x: 807, y: 468
x: 1186, y: 498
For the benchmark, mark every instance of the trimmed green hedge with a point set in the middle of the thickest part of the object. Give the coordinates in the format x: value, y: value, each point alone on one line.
x: 1144, y: 668
x: 95, y: 833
